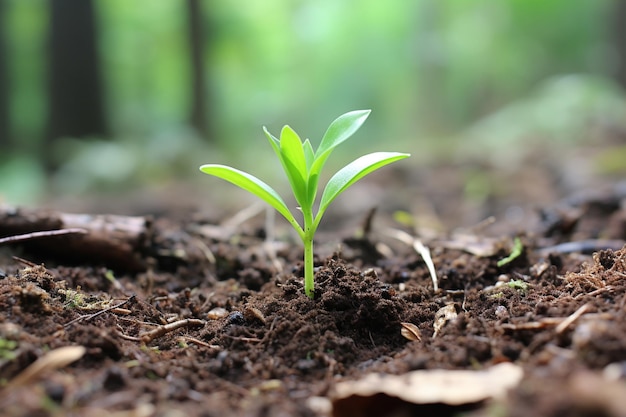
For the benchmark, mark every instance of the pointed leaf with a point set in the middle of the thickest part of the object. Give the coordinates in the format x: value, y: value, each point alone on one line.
x: 273, y: 141
x: 294, y: 163
x: 298, y: 184
x: 309, y: 154
x: 312, y: 188
x: 251, y: 184
x: 353, y: 172
x: 341, y: 129
x: 292, y: 149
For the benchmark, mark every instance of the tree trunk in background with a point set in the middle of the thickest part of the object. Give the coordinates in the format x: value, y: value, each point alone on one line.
x: 431, y: 73
x: 619, y: 39
x: 75, y: 94
x: 4, y: 84
x: 199, y: 107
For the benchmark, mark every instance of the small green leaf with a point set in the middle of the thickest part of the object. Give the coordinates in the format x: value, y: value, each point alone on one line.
x: 294, y: 174
x: 353, y: 172
x: 273, y: 141
x: 309, y: 154
x: 292, y: 150
x: 341, y: 129
x: 312, y: 188
x: 294, y: 163
x: 253, y: 185
x: 518, y: 248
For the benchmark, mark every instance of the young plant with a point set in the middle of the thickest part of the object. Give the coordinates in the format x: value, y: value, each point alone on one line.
x: 303, y: 166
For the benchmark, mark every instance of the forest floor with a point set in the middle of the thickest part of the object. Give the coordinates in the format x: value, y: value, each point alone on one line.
x: 210, y: 317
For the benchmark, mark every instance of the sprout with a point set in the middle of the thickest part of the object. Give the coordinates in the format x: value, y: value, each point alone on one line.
x: 303, y: 166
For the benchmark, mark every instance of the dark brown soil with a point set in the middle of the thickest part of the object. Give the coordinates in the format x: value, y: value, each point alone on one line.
x: 219, y: 326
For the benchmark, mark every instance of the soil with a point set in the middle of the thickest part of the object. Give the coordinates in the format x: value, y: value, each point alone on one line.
x: 217, y: 323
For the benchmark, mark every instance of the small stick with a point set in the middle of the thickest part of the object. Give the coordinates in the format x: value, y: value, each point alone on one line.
x: 24, y: 261
x: 34, y: 265
x: 560, y: 323
x: 571, y: 319
x: 244, y: 339
x: 148, y: 337
x: 45, y: 233
x: 126, y: 337
x: 200, y: 342
x: 91, y: 316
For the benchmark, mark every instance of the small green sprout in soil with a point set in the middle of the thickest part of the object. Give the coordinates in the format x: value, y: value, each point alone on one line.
x: 7, y: 349
x: 519, y: 285
x: 303, y: 166
x: 518, y: 247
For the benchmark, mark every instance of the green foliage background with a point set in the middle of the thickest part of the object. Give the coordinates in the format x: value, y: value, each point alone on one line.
x: 435, y: 73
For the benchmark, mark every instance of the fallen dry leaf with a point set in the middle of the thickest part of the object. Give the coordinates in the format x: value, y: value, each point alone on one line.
x: 55, y: 359
x: 450, y: 387
x: 443, y: 316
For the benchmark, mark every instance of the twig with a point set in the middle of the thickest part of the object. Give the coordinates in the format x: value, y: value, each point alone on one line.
x: 593, y: 293
x: 244, y: 339
x: 24, y: 261
x: 571, y: 319
x: 148, y: 337
x: 208, y: 253
x: 45, y: 233
x: 91, y: 316
x: 126, y: 337
x: 33, y: 265
x: 560, y: 323
x: 200, y: 342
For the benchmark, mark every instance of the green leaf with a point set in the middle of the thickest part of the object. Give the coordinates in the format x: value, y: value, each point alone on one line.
x: 518, y: 248
x: 341, y: 129
x: 353, y: 172
x: 312, y: 177
x: 273, y: 141
x: 253, y: 185
x: 294, y: 163
x: 309, y: 154
x: 292, y: 149
x: 294, y: 174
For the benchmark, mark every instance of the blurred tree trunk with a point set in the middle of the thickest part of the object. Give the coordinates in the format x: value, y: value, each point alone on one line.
x: 4, y: 83
x: 432, y: 73
x: 619, y: 39
x: 75, y: 94
x: 199, y: 105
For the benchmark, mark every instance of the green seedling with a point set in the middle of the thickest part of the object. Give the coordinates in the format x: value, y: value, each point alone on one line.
x: 519, y: 285
x: 518, y: 248
x: 7, y: 349
x: 303, y: 167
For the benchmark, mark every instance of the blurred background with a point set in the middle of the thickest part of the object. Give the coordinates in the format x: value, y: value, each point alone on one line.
x: 126, y: 99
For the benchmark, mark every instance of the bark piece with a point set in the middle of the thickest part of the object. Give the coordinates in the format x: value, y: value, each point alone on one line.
x: 115, y: 241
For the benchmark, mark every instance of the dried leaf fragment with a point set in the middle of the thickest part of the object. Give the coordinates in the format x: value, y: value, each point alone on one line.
x: 410, y: 331
x: 452, y: 387
x: 55, y: 359
x: 443, y: 316
x: 253, y: 313
x: 217, y: 313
